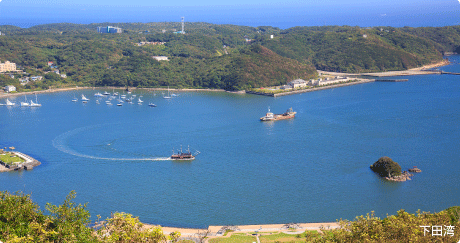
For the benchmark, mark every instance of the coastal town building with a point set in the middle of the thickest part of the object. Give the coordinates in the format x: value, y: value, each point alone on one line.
x: 150, y: 43
x: 335, y: 80
x: 10, y: 88
x: 109, y: 29
x: 35, y: 78
x: 160, y: 58
x: 298, y: 83
x: 7, y: 66
x: 24, y: 80
x: 63, y: 75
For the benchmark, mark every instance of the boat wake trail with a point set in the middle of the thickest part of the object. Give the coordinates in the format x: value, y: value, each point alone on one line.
x: 60, y: 143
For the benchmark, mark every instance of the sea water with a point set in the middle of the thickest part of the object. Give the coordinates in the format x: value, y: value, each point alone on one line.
x: 313, y: 168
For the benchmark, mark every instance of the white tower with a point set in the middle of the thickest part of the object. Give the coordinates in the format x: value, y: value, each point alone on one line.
x: 182, y: 25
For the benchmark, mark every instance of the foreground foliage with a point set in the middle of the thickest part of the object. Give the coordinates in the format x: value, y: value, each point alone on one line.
x: 21, y: 220
x: 402, y: 227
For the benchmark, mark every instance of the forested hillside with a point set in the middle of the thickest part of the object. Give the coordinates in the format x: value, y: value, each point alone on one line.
x: 354, y: 49
x: 213, y: 56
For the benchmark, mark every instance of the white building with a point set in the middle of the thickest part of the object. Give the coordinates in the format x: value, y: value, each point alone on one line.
x: 298, y: 83
x: 10, y: 88
x: 333, y: 81
x: 24, y: 80
x: 160, y: 58
x: 35, y: 78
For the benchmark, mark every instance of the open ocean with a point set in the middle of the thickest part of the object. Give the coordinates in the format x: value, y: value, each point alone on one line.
x: 314, y: 168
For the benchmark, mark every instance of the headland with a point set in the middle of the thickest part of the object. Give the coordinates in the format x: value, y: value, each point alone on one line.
x: 11, y: 161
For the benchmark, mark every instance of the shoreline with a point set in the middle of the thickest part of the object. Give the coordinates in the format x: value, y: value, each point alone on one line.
x: 331, y: 86
x: 6, y: 95
x: 423, y: 70
x: 218, y: 230
x: 414, y: 71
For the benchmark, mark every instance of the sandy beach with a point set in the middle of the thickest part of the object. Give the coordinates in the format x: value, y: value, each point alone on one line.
x: 413, y: 71
x: 6, y: 95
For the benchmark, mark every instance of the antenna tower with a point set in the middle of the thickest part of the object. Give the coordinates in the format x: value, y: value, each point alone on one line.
x: 182, y: 25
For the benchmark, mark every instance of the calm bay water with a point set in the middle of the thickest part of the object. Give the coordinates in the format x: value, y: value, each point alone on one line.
x: 313, y: 168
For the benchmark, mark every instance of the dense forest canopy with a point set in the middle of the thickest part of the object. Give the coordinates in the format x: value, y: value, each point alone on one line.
x: 213, y: 56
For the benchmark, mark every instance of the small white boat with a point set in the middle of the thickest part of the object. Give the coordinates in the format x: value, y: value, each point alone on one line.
x: 168, y: 96
x: 32, y: 104
x: 74, y: 99
x: 108, y: 103
x: 106, y: 93
x: 116, y: 93
x: 152, y: 105
x: 133, y: 95
x: 120, y: 104
x: 83, y: 98
x: 9, y: 103
x: 139, y: 100
x: 98, y: 94
x: 85, y: 101
x: 25, y: 102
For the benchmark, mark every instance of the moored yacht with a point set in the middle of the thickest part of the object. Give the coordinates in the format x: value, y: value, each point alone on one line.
x: 25, y: 102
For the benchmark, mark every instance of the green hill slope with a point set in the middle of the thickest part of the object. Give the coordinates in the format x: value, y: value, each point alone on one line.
x: 352, y: 49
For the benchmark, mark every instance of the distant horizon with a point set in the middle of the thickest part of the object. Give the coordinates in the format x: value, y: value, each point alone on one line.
x: 282, y: 15
x: 28, y: 25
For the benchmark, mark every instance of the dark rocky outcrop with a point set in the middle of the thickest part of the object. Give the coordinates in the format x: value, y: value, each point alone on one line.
x: 386, y: 167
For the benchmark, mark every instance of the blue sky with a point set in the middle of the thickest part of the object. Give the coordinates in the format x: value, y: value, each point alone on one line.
x: 283, y: 14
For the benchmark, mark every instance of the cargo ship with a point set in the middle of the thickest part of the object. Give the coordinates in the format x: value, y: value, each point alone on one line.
x: 184, y: 155
x: 275, y: 117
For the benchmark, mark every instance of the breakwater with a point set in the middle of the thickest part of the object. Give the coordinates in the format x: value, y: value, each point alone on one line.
x: 359, y: 81
x: 28, y: 164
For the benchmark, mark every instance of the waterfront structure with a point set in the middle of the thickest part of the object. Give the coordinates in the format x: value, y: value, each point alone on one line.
x: 332, y: 81
x: 7, y: 66
x: 109, y: 29
x: 10, y: 88
x: 160, y: 58
x: 298, y: 83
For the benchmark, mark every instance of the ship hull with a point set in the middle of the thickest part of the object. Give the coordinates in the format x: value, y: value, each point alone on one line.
x: 278, y: 117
